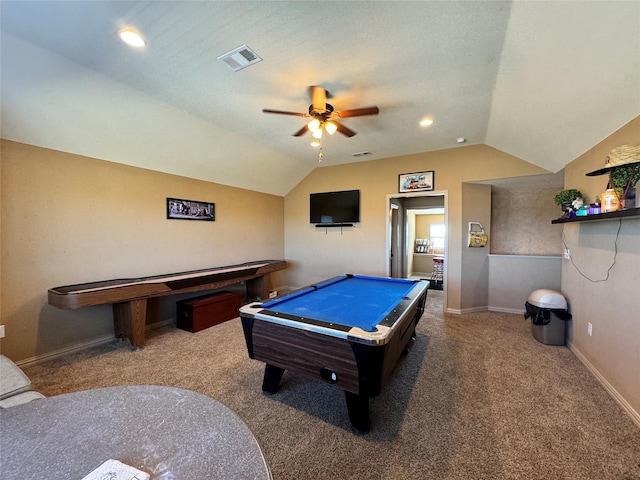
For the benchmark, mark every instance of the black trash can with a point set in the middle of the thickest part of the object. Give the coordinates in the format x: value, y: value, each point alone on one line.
x: 548, y: 312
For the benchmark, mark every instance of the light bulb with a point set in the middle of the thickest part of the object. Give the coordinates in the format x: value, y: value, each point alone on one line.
x: 314, y: 125
x: 315, y: 142
x: 317, y: 134
x: 330, y: 127
x: 132, y: 37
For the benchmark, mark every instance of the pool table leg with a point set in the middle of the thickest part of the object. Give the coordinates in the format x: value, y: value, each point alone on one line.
x: 358, y: 408
x: 271, y: 379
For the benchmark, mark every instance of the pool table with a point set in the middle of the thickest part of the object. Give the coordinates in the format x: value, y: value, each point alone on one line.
x: 348, y: 331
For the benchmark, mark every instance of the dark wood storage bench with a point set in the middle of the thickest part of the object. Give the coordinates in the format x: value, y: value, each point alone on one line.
x: 198, y: 313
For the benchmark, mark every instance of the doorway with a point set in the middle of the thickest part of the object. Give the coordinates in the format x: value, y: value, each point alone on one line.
x: 413, y: 223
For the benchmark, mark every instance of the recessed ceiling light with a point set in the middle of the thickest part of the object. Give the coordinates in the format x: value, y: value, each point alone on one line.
x: 131, y: 37
x: 425, y: 122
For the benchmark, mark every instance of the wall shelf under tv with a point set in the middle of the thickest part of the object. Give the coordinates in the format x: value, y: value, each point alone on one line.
x: 333, y: 225
x: 327, y: 226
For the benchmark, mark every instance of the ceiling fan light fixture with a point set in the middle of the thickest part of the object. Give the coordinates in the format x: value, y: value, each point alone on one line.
x: 132, y: 37
x: 317, y: 134
x: 425, y: 122
x: 315, y: 142
x: 330, y: 127
x: 314, y: 125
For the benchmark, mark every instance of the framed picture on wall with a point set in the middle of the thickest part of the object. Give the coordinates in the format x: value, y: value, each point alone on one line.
x: 415, y: 182
x: 179, y: 209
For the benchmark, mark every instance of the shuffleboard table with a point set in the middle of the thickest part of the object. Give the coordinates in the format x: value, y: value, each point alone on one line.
x: 129, y: 296
x: 348, y: 331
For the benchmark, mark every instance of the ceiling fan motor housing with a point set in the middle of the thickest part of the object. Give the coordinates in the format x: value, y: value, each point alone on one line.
x: 328, y: 109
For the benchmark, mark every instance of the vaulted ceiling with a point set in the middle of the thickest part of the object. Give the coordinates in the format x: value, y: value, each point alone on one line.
x: 543, y: 81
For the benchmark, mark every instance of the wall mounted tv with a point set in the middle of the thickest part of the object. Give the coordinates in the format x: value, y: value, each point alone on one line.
x: 334, y: 208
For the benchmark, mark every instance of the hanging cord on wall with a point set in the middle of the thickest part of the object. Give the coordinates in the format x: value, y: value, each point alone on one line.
x: 615, y: 254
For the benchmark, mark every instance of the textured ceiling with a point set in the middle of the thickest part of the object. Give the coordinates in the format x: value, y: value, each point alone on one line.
x: 543, y: 81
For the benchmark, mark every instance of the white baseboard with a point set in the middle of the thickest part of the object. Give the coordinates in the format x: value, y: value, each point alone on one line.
x: 485, y: 309
x: 506, y: 310
x: 83, y: 345
x: 635, y: 416
x: 466, y: 310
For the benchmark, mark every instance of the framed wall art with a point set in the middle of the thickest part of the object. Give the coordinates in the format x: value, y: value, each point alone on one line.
x: 179, y: 209
x: 415, y: 182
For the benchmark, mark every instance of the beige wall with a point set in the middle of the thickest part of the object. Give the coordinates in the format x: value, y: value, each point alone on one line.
x: 608, y: 299
x: 423, y: 226
x: 476, y: 207
x: 69, y: 219
x: 315, y: 254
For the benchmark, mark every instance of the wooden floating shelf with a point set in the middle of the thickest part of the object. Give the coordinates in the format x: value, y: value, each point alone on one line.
x: 627, y: 213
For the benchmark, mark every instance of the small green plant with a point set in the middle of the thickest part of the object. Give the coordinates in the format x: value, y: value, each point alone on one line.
x: 564, y: 197
x: 625, y: 177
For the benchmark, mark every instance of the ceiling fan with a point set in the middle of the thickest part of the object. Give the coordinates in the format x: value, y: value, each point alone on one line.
x: 323, y: 116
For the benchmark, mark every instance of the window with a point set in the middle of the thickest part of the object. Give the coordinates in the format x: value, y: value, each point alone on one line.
x: 437, y: 233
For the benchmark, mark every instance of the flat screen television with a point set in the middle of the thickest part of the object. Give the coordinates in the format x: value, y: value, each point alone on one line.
x: 334, y: 208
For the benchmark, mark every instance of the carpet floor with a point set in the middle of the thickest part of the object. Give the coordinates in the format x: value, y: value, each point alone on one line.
x: 477, y: 397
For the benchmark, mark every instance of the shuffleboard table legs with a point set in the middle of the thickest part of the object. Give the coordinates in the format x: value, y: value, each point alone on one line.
x: 358, y: 408
x: 258, y: 288
x: 129, y: 320
x: 271, y: 379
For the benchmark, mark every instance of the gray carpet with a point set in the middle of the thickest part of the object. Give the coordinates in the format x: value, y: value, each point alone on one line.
x: 477, y: 397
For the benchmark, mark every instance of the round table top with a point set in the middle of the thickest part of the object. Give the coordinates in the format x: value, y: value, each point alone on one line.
x: 167, y: 432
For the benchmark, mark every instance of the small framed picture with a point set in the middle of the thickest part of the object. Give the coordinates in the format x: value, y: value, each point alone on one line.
x: 415, y: 182
x: 179, y: 209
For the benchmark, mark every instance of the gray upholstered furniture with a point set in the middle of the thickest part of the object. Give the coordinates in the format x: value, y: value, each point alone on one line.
x: 164, y: 431
x: 15, y: 386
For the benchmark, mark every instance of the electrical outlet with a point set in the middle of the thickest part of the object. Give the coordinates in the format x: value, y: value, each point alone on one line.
x: 589, y: 329
x: 1, y: 331
x: 567, y: 254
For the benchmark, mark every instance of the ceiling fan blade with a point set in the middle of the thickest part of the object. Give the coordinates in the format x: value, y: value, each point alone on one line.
x: 281, y: 112
x: 358, y: 112
x: 318, y: 99
x: 301, y: 132
x: 344, y: 130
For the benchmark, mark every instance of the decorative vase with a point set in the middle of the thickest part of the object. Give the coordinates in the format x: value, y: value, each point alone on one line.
x: 630, y: 198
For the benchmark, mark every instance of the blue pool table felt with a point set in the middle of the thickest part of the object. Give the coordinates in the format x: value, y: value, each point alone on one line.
x: 351, y: 301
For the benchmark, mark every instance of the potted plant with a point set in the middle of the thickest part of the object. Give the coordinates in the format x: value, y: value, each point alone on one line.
x: 625, y: 179
x: 565, y: 198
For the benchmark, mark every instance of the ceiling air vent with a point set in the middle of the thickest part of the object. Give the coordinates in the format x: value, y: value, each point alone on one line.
x: 361, y: 154
x: 240, y: 58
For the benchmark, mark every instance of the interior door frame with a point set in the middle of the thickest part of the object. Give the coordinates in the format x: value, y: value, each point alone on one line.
x: 387, y: 251
x: 393, y: 265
